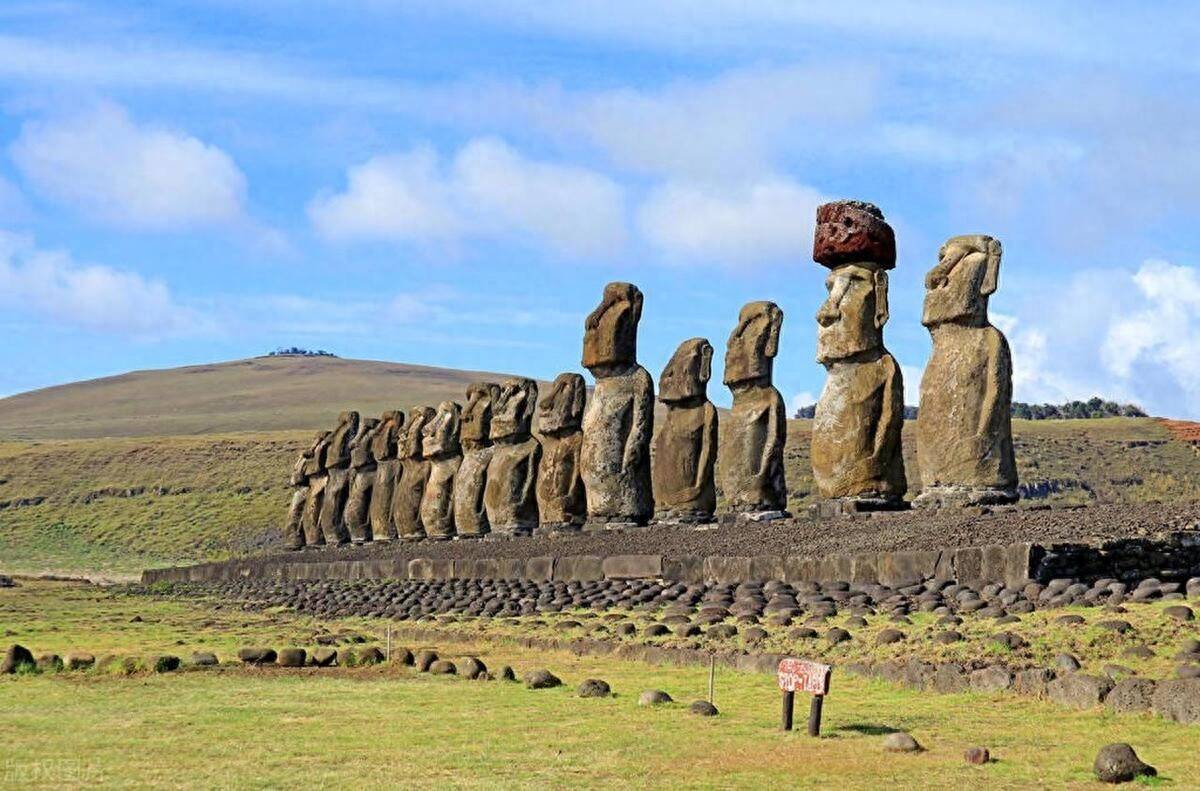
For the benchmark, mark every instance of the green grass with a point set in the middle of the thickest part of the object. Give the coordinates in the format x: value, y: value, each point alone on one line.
x: 390, y: 726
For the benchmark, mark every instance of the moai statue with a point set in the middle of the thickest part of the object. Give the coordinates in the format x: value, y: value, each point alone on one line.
x: 756, y: 429
x: 685, y: 447
x: 510, y: 496
x: 414, y: 474
x: 362, y: 480
x: 387, y: 474
x: 964, y: 426
x: 318, y: 477
x: 337, y: 461
x: 293, y: 530
x: 470, y: 514
x: 561, y: 500
x: 618, y: 424
x: 856, y: 456
x: 441, y: 447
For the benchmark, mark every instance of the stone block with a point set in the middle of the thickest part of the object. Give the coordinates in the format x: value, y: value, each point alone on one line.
x: 906, y: 568
x: 420, y: 569
x: 764, y: 568
x: 968, y: 564
x: 798, y: 569
x: 539, y: 569
x: 685, y: 568
x: 994, y: 563
x: 722, y: 568
x: 578, y: 568
x: 864, y: 566
x: 510, y: 568
x: 624, y: 567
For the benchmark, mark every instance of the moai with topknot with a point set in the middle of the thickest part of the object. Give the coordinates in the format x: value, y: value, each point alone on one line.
x: 510, y: 496
x: 317, y: 476
x: 470, y: 514
x: 856, y: 451
x: 619, y: 421
x: 337, y: 489
x: 293, y: 529
x: 964, y: 426
x: 756, y: 430
x: 441, y: 447
x: 362, y: 480
x: 561, y: 500
x: 414, y: 474
x: 387, y: 473
x: 684, y: 453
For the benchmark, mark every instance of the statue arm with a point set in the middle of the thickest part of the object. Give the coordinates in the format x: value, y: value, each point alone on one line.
x: 531, y: 461
x: 997, y: 395
x: 708, y: 446
x: 641, y: 424
x: 891, y: 411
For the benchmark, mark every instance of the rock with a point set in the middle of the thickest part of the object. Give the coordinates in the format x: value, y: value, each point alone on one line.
x: 49, y: 663
x: 383, y: 447
x: 703, y: 708
x: 292, y: 657
x: 991, y: 679
x: 163, y: 663
x: 440, y: 446
x: 1179, y: 612
x: 722, y: 631
x: 619, y: 421
x: 1116, y: 625
x: 755, y: 430
x: 510, y: 495
x: 964, y: 431
x: 855, y: 445
x: 77, y: 660
x: 947, y: 637
x: 317, y: 478
x: 1130, y: 694
x: 755, y: 634
x: 443, y: 667
x: 1118, y: 763
x: 1078, y: 691
x: 1067, y: 663
x: 470, y: 513
x: 257, y: 656
x: 900, y: 742
x: 685, y: 445
x: 656, y: 630
x: 836, y: 636
x: 1033, y: 682
x: 977, y: 756
x: 369, y: 656
x: 136, y: 619
x: 1178, y: 699
x: 472, y: 667
x: 593, y: 688
x: 950, y: 678
x: 562, y: 503
x: 1009, y: 640
x: 402, y: 656
x: 654, y: 697
x: 889, y: 636
x: 357, y: 514
x: 1070, y: 620
x: 506, y: 674
x: 541, y: 679
x: 324, y: 657
x: 424, y: 659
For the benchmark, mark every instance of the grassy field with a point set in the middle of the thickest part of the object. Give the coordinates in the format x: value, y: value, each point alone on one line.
x: 115, y: 506
x: 236, y: 727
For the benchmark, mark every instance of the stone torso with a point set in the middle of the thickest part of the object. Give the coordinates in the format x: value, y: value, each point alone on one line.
x: 510, y: 496
x: 437, y: 503
x: 684, y: 455
x: 615, y: 457
x: 559, y: 488
x: 752, y: 453
x: 470, y: 515
x: 406, y: 501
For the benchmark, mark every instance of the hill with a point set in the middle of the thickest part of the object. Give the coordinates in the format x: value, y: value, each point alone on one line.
x: 258, y: 394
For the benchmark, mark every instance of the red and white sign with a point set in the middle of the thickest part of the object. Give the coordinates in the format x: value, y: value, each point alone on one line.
x: 801, y: 675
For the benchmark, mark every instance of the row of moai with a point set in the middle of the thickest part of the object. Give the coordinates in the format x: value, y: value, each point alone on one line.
x: 481, y: 470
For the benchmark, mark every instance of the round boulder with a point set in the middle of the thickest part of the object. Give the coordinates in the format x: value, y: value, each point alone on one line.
x: 423, y: 659
x: 443, y: 667
x: 889, y: 636
x: 506, y: 674
x: 900, y: 742
x: 15, y: 657
x: 541, y: 679
x: 472, y: 668
x: 1118, y: 763
x: 324, y: 657
x: 292, y: 657
x: 80, y: 661
x: 702, y: 708
x: 977, y: 756
x: 654, y: 697
x: 594, y: 688
x: 49, y: 663
x: 163, y: 663
x: 257, y: 656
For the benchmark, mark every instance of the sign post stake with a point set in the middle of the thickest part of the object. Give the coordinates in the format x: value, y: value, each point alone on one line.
x: 805, y: 676
x: 712, y: 672
x: 814, y: 715
x: 789, y: 705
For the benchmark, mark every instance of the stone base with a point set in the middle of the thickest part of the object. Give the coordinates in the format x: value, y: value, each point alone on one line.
x: 504, y: 532
x: 602, y: 525
x: 684, y: 518
x: 469, y: 536
x: 849, y: 506
x: 558, y: 529
x: 438, y: 538
x: 412, y: 539
x: 746, y: 517
x: 964, y: 496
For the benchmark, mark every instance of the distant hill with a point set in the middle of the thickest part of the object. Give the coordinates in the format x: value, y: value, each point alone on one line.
x: 258, y: 394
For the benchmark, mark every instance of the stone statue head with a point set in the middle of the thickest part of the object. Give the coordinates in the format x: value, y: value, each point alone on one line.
x: 561, y: 409
x: 610, y: 331
x: 439, y: 437
x: 687, y: 373
x: 343, y: 435
x: 360, y: 446
x: 477, y: 416
x: 851, y: 319
x: 383, y: 441
x: 957, y: 289
x: 411, y: 438
x: 512, y: 414
x: 753, y: 343
x: 853, y: 232
x: 316, y: 457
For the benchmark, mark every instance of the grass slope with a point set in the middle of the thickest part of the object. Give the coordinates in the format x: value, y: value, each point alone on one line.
x: 236, y: 727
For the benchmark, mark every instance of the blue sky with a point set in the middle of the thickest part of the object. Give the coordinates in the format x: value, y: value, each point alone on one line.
x: 452, y: 183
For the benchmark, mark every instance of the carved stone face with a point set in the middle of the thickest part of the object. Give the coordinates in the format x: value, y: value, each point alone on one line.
x: 687, y: 373
x: 610, y: 331
x: 477, y: 417
x: 383, y: 441
x: 439, y: 437
x: 852, y: 318
x: 512, y: 414
x: 561, y: 410
x: 753, y: 343
x: 957, y: 289
x: 411, y: 438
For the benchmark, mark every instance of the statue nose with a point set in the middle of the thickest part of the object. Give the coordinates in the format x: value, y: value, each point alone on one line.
x: 828, y: 315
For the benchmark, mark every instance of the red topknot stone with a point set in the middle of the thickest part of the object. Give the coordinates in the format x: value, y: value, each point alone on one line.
x: 853, y: 232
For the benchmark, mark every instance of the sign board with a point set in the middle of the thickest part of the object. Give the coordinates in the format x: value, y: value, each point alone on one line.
x: 801, y: 675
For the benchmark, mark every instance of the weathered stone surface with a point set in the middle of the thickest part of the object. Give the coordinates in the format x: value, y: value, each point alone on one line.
x: 900, y: 742
x: 541, y: 679
x: 594, y: 688
x: 292, y: 657
x: 440, y: 445
x: 510, y: 496
x: 414, y: 474
x: 964, y: 428
x: 619, y: 422
x: 1078, y: 691
x: 632, y: 566
x: 654, y: 697
x: 684, y: 453
x: 977, y: 756
x: 1178, y: 699
x: 472, y: 667
x: 702, y: 708
x: 562, y: 502
x: 257, y: 656
x: 337, y: 488
x: 470, y: 513
x: 15, y: 657
x: 755, y: 431
x: 293, y: 527
x: 357, y: 515
x: 314, y: 471
x: 1131, y: 694
x: 78, y: 660
x: 1118, y: 763
x: 198, y: 659
x: 324, y: 657
x: 856, y: 452
x: 384, y: 447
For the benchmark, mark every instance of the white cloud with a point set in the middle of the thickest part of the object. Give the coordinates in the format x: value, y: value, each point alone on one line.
x: 129, y: 175
x: 763, y: 221
x: 51, y: 285
x: 801, y: 399
x: 488, y: 190
x: 13, y: 206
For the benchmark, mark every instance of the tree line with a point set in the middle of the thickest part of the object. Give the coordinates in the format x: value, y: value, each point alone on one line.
x: 296, y: 351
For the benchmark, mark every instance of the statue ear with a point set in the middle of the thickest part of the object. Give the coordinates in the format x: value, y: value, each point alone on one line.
x: 579, y: 396
x: 706, y: 355
x: 637, y: 306
x: 774, y: 325
x: 991, y: 275
x: 881, y: 298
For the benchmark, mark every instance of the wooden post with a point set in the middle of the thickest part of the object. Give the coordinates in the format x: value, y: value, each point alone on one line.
x: 789, y: 704
x: 388, y: 657
x: 814, y: 715
x: 712, y: 671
